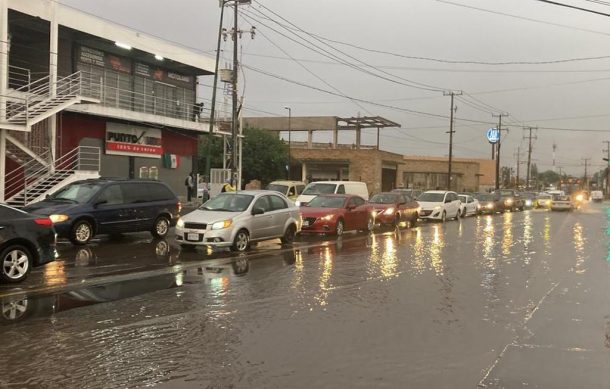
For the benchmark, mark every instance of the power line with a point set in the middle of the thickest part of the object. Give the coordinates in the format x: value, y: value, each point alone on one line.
x: 523, y: 18
x: 574, y: 7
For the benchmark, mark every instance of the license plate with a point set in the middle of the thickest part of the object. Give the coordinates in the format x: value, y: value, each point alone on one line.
x: 305, y: 223
x: 192, y: 236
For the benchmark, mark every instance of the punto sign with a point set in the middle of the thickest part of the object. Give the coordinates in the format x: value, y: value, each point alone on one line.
x: 133, y: 141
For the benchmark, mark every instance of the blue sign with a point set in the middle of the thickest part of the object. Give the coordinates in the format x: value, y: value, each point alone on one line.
x: 493, y: 135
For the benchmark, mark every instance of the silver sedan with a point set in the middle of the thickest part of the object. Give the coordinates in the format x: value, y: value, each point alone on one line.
x: 236, y: 219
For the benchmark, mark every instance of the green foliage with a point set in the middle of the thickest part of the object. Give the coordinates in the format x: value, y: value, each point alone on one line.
x: 548, y: 177
x: 264, y: 155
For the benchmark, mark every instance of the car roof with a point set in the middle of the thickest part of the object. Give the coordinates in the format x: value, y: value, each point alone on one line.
x: 287, y: 182
x: 437, y: 191
x: 252, y: 192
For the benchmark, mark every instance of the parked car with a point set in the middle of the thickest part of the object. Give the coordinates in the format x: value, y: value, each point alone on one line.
x: 83, y: 209
x: 25, y: 241
x: 329, y: 187
x: 470, y: 206
x: 394, y: 209
x: 543, y: 200
x: 510, y: 200
x: 290, y: 189
x: 335, y: 214
x: 413, y: 193
x: 562, y: 203
x: 439, y: 205
x: 489, y: 203
x: 597, y: 196
x: 235, y: 219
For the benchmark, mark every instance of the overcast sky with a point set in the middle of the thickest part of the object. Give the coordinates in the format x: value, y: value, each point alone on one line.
x: 561, y: 95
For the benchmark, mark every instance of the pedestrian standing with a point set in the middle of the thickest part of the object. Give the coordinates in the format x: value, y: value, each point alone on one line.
x: 228, y: 186
x: 189, y: 182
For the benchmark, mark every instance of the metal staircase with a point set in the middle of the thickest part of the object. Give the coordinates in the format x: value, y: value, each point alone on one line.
x: 32, y: 182
x: 37, y: 101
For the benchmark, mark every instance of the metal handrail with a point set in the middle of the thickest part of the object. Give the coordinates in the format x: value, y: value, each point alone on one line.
x: 74, y: 160
x: 19, y: 76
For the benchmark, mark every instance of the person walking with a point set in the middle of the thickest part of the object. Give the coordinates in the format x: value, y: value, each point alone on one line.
x: 190, y: 184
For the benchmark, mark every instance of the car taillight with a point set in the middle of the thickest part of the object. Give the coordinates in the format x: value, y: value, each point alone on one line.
x: 44, y: 221
x: 179, y: 205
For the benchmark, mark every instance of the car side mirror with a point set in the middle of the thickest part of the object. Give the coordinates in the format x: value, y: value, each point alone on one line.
x: 258, y: 211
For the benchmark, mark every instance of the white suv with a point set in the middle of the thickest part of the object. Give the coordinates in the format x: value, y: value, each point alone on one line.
x: 439, y: 205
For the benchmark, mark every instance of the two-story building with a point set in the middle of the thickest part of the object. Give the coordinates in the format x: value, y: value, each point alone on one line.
x: 81, y: 97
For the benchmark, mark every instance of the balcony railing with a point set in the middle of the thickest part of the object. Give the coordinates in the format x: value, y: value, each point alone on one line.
x: 95, y: 87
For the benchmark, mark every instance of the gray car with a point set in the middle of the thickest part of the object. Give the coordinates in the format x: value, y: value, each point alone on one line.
x: 235, y: 219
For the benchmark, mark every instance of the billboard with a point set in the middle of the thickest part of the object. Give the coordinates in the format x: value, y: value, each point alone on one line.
x: 123, y: 139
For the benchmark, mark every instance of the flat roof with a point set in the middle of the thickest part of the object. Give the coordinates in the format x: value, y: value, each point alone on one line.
x: 318, y: 123
x: 105, y: 29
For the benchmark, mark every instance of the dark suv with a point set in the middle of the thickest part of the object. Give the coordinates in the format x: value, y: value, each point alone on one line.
x: 83, y: 209
x: 510, y: 200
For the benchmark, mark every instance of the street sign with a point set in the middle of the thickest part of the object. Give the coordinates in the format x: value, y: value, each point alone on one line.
x: 493, y: 135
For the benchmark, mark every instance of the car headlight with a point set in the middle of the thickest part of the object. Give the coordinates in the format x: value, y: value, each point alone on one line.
x: 389, y: 211
x: 528, y: 202
x: 59, y: 218
x: 222, y: 224
x: 327, y: 217
x: 180, y: 223
x: 508, y: 201
x: 490, y: 206
x: 418, y: 210
x: 374, y: 213
x: 579, y: 197
x: 297, y: 203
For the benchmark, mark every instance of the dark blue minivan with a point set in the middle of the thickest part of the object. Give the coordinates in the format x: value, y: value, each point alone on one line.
x: 86, y: 208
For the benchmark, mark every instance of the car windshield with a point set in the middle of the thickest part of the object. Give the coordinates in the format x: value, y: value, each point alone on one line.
x: 278, y: 188
x: 327, y: 202
x: 431, y: 197
x: 228, y: 202
x: 384, y: 198
x: 506, y: 193
x: 486, y: 197
x: 77, y: 192
x: 315, y: 189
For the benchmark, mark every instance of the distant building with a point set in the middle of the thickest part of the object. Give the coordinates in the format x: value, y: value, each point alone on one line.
x: 381, y: 170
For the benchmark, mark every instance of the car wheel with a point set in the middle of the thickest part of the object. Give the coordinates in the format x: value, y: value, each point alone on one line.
x: 241, y: 241
x: 16, y: 263
x: 161, y: 227
x: 444, y: 217
x: 413, y: 222
x: 289, y: 234
x: 14, y: 310
x: 82, y: 232
x: 339, y: 227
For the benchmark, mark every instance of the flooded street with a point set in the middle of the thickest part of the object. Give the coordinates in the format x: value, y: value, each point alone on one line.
x: 519, y: 299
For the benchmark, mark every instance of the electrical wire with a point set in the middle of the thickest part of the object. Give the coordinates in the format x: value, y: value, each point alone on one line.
x: 573, y: 7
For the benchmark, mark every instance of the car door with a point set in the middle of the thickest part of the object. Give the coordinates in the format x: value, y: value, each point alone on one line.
x: 362, y: 212
x: 261, y: 225
x: 110, y: 211
x: 280, y: 213
x: 353, y: 214
x: 455, y: 204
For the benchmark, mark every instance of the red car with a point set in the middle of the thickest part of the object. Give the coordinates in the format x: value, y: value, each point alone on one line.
x: 394, y: 209
x: 336, y: 213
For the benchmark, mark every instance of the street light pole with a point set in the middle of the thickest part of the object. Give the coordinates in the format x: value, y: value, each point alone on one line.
x: 289, y: 141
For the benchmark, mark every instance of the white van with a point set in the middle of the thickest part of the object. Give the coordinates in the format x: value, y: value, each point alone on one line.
x: 332, y: 187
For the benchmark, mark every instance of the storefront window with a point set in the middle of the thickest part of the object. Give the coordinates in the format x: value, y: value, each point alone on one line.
x: 144, y: 172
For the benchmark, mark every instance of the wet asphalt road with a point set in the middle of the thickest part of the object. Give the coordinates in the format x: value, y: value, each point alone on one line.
x: 513, y: 300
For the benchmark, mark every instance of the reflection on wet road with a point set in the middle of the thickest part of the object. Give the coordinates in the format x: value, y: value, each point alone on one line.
x: 481, y: 301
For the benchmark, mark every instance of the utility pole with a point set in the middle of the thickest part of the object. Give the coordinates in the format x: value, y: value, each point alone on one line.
x: 586, y: 180
x: 518, y: 166
x: 499, y: 116
x: 208, y: 155
x: 529, y: 156
x: 452, y: 110
x: 607, y: 159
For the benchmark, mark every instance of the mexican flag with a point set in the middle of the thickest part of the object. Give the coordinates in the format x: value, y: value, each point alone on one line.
x: 171, y: 161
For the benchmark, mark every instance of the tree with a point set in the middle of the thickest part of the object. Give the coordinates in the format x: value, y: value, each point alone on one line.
x: 548, y: 177
x: 264, y: 155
